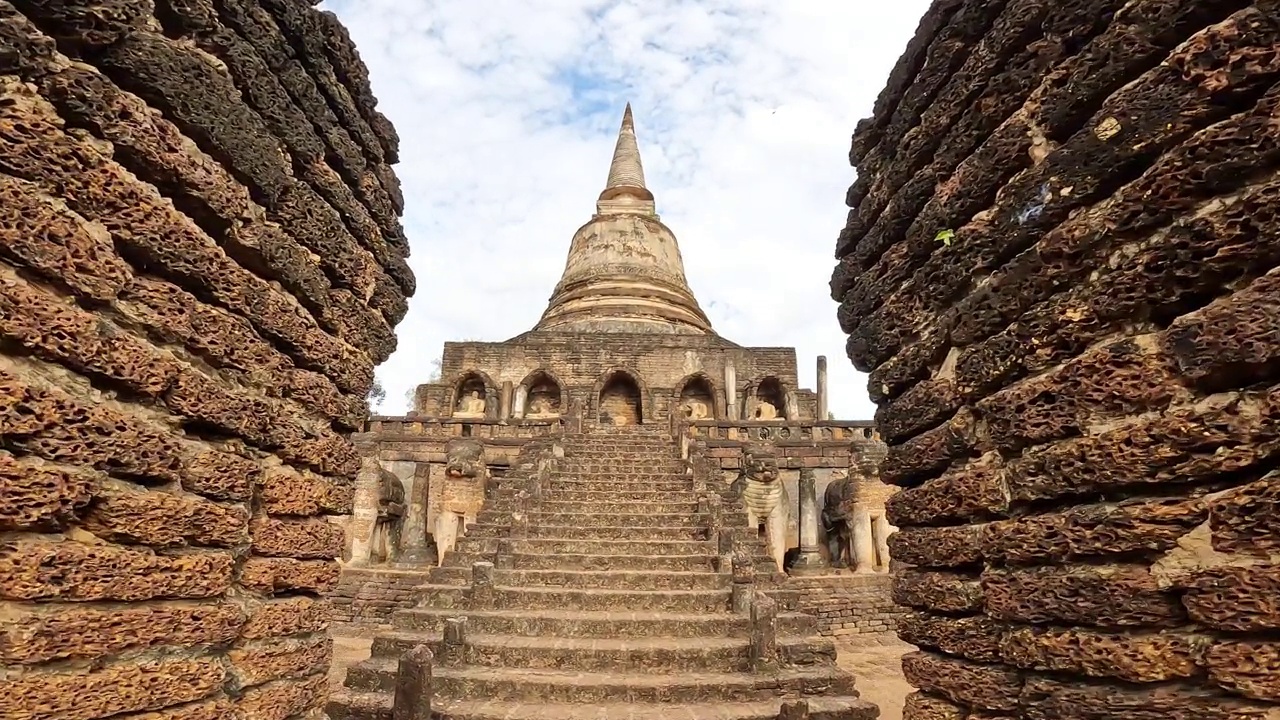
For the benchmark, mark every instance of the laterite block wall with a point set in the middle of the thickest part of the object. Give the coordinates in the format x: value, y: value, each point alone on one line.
x: 1060, y: 269
x: 201, y: 262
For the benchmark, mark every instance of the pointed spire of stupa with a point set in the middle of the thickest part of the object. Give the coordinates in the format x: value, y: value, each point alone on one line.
x: 625, y: 190
x: 626, y: 169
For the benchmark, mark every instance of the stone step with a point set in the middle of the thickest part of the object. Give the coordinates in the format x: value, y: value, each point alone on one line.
x: 828, y: 708
x: 600, y: 624
x: 630, y: 454
x: 528, y: 598
x: 665, y: 483
x: 532, y: 561
x: 592, y: 579
x: 552, y: 502
x: 565, y: 686
x: 565, y: 546
x: 636, y: 532
x: 570, y: 686
x: 608, y: 435
x: 569, y: 532
x: 628, y: 461
x: 542, y: 517
x: 623, y: 470
x: 604, y: 483
x: 619, y: 495
x: 346, y: 705
x: 622, y: 655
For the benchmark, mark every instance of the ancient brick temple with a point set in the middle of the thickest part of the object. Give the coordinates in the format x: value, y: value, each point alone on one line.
x: 201, y: 262
x: 1060, y: 269
x: 610, y: 499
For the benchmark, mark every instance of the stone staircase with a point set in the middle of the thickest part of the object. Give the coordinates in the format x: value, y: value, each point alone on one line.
x: 600, y: 585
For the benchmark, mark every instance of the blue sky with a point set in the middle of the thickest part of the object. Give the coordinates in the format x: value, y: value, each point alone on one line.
x: 507, y: 112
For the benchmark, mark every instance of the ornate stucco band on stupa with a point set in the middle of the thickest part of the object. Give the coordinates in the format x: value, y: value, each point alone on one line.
x: 624, y: 272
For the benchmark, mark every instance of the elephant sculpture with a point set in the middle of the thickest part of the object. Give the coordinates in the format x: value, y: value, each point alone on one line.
x: 761, y: 491
x: 837, y: 514
x: 466, y: 466
x: 384, y: 545
x: 464, y: 458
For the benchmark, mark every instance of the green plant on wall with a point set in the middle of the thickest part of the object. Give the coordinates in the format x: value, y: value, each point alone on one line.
x: 945, y: 237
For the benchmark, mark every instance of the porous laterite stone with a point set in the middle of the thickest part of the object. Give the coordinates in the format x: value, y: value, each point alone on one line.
x: 1059, y: 270
x: 192, y: 303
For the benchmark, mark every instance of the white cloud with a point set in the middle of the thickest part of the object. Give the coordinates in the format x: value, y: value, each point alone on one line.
x: 508, y: 109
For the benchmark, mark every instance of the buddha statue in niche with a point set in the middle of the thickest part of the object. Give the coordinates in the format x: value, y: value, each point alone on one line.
x: 695, y: 409
x: 765, y: 411
x: 544, y: 401
x: 470, y: 405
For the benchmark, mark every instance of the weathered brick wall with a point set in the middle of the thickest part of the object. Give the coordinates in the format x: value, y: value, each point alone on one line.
x: 661, y: 363
x: 366, y: 598
x: 848, y: 604
x: 192, y: 301
x: 1060, y: 271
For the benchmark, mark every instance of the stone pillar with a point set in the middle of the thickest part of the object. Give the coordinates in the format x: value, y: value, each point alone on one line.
x: 412, y: 698
x: 764, y: 632
x: 730, y: 391
x: 823, y: 410
x: 504, y: 409
x: 413, y: 540
x: 864, y: 554
x: 810, y: 559
x: 518, y: 403
x: 744, y: 583
x: 453, y: 648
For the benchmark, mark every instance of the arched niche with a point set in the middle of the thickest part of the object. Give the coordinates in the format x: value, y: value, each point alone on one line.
x: 696, y: 398
x: 473, y: 395
x: 541, y: 395
x: 768, y: 401
x: 619, y: 399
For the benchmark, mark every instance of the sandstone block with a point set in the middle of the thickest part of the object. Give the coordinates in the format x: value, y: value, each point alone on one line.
x: 1120, y: 596
x: 921, y: 706
x: 286, y: 616
x: 35, y: 496
x: 1129, y: 527
x: 1236, y: 599
x: 947, y: 592
x: 264, y: 661
x: 65, y: 633
x: 1246, y: 519
x: 161, y: 519
x: 940, y: 547
x: 304, y: 538
x: 989, y: 687
x: 284, y: 699
x: 271, y: 575
x: 35, y: 570
x: 114, y: 689
x: 1141, y: 658
x: 1247, y: 668
x: 976, y: 638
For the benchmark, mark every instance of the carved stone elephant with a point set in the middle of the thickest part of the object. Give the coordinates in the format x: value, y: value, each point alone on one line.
x: 837, y: 515
x: 384, y: 545
x: 464, y: 462
x: 761, y: 491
